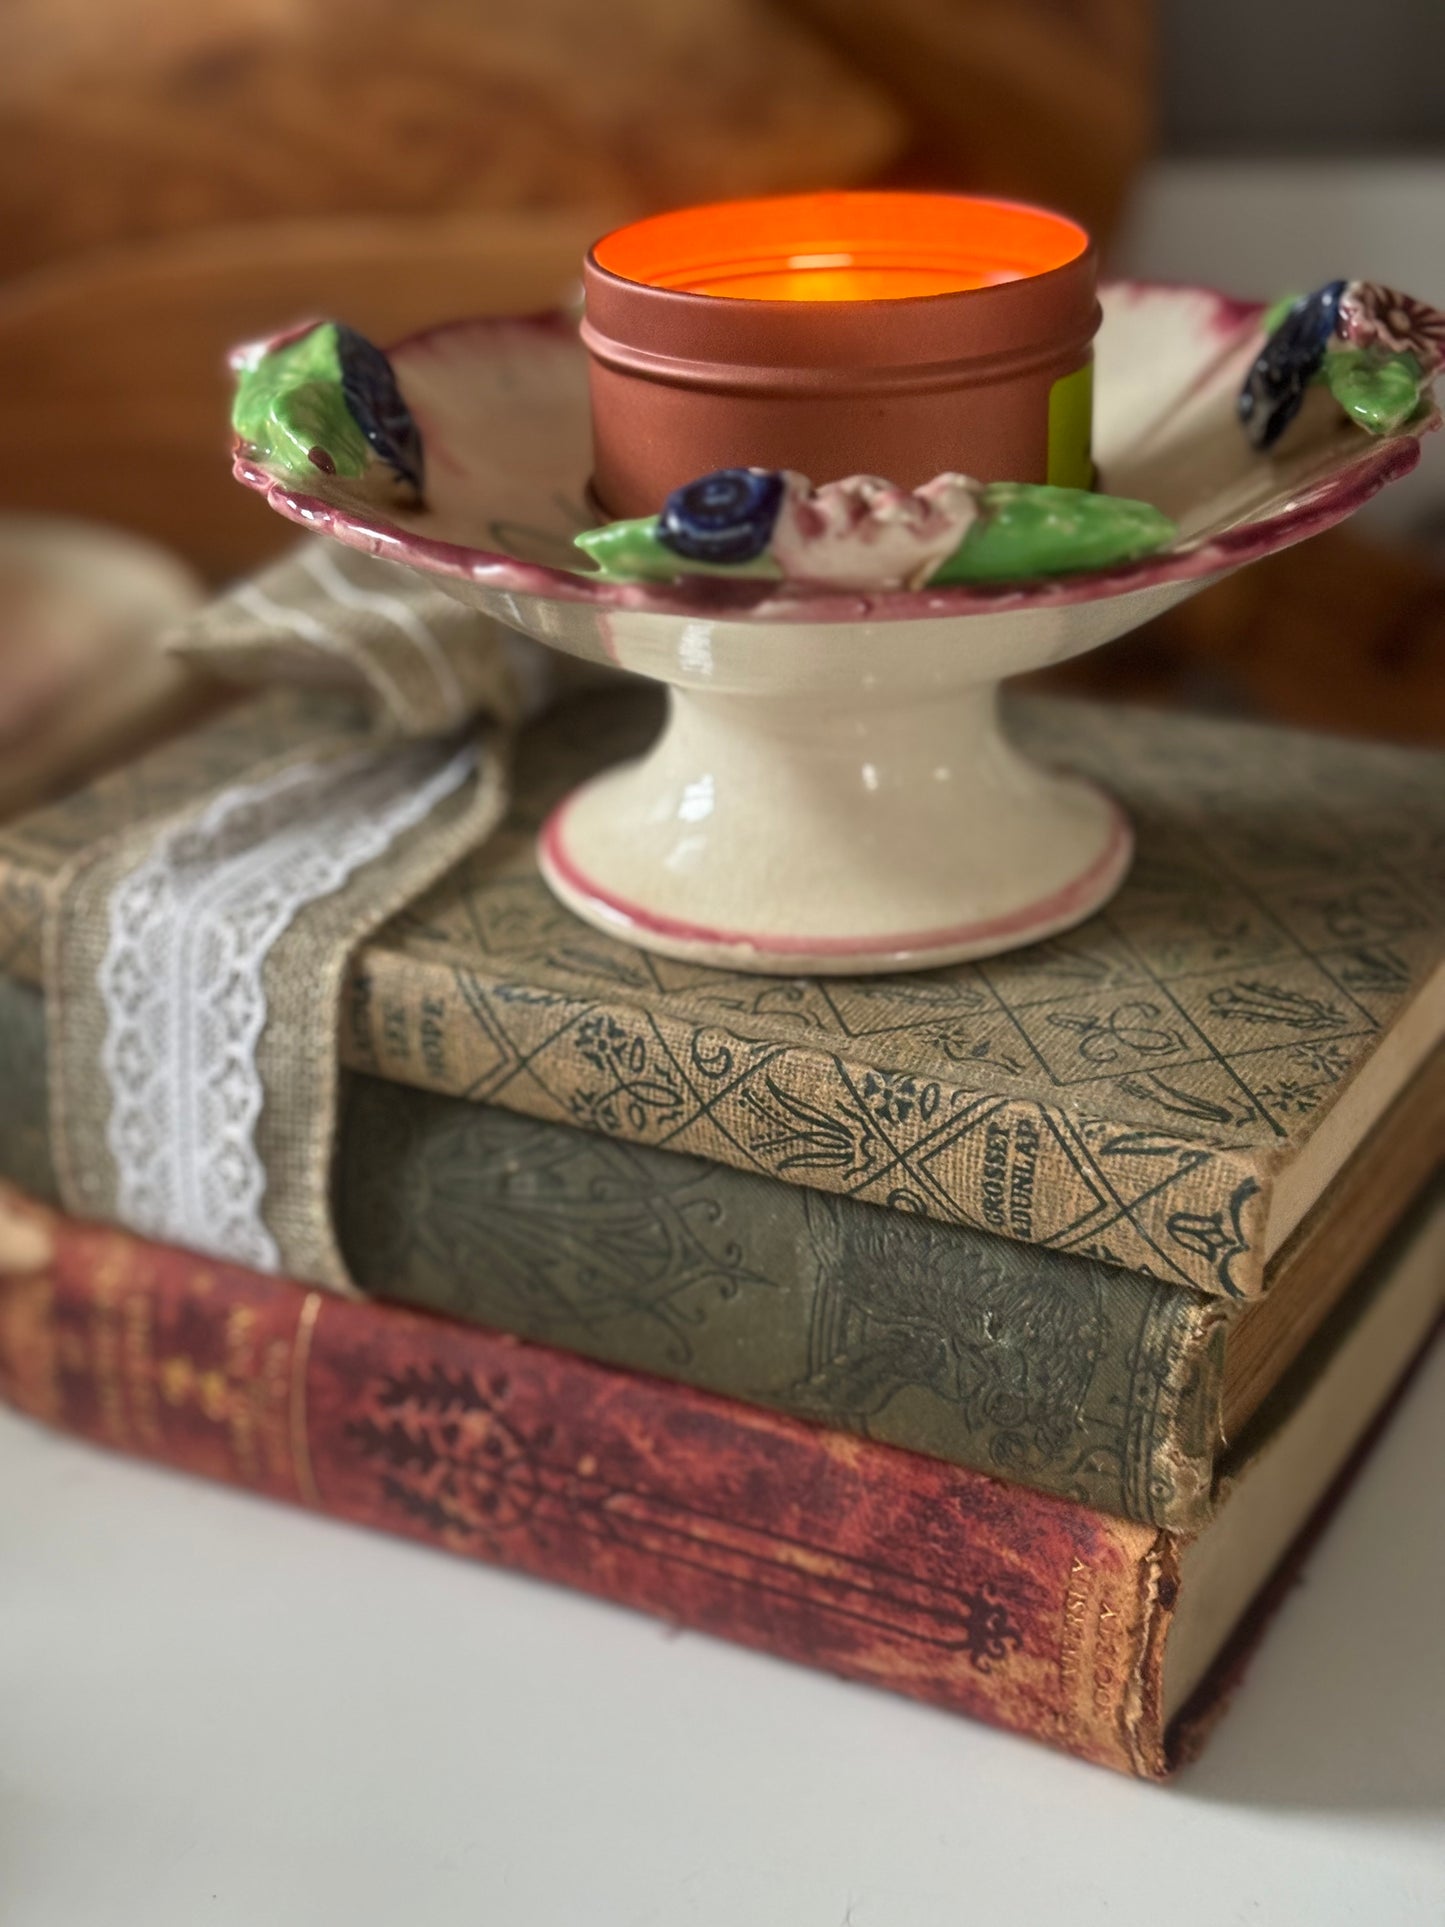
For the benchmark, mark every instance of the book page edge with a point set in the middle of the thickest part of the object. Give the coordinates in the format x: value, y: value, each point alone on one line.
x: 1303, y: 1180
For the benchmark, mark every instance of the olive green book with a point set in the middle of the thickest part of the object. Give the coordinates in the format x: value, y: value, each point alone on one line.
x: 1052, y: 1370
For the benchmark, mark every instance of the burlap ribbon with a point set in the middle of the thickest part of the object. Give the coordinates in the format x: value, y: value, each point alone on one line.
x: 195, y: 962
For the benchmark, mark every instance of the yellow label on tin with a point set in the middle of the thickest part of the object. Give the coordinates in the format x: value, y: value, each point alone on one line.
x: 1071, y: 421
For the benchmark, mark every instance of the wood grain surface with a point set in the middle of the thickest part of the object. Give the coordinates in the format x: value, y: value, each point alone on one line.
x: 147, y: 117
x: 114, y: 367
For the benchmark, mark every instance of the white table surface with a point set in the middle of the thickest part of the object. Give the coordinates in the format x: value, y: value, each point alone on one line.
x: 216, y: 1710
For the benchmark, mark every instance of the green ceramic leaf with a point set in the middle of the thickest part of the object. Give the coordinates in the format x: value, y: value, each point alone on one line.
x: 1025, y: 530
x: 1379, y: 391
x: 631, y: 552
x: 1028, y: 529
x: 289, y: 401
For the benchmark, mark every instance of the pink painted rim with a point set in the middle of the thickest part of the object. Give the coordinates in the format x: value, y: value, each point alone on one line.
x: 1318, y: 509
x: 1071, y: 903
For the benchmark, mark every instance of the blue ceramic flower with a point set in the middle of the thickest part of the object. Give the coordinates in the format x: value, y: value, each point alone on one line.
x: 727, y: 516
x: 374, y: 402
x: 1274, y: 389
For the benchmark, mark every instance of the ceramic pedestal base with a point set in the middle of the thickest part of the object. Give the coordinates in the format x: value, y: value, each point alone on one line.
x: 832, y: 794
x: 815, y: 835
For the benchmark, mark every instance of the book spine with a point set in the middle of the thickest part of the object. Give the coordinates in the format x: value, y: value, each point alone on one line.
x: 1102, y: 1386
x: 879, y: 1565
x: 1190, y: 1211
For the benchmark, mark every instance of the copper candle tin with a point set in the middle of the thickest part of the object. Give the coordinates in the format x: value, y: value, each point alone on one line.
x: 892, y: 334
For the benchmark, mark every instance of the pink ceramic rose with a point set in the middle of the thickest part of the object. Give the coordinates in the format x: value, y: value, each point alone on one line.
x: 866, y: 533
x: 1372, y: 316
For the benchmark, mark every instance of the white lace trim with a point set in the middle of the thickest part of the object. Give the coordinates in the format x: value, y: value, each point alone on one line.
x: 189, y: 932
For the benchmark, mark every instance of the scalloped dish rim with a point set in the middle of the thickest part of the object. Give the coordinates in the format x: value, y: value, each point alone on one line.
x: 1321, y: 507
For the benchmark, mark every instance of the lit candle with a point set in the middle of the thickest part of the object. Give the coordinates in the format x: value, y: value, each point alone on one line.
x: 893, y: 334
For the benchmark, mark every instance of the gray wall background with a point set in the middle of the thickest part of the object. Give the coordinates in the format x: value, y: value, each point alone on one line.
x: 1303, y: 76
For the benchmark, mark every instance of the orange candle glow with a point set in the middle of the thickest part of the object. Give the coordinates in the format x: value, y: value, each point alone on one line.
x: 842, y: 247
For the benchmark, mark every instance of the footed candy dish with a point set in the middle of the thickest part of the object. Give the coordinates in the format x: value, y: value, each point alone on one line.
x: 832, y: 790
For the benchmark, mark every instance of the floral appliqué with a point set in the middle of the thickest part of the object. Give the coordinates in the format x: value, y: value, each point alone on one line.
x: 866, y: 531
x: 1374, y: 316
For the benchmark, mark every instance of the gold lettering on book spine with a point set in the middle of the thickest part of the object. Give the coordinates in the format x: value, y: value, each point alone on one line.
x: 1073, y: 1643
x: 1100, y: 1650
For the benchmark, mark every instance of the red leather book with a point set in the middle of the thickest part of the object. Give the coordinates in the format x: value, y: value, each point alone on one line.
x: 901, y: 1571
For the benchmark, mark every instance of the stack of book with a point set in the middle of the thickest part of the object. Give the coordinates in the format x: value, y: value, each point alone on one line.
x: 997, y: 1335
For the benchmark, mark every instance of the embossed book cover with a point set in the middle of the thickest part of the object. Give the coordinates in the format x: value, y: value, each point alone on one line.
x: 1167, y: 1089
x: 1105, y: 1638
x: 1055, y: 1370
